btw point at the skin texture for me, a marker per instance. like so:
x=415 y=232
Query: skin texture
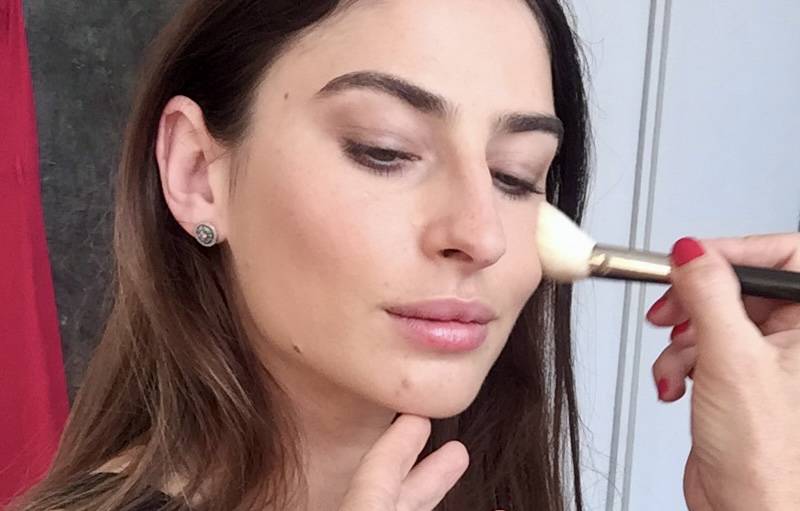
x=322 y=244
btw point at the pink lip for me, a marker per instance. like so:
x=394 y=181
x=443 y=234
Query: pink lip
x=446 y=325
x=446 y=310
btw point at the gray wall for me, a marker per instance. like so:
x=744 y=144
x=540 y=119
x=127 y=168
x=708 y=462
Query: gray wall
x=84 y=55
x=696 y=116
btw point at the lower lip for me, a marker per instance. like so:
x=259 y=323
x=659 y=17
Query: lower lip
x=447 y=336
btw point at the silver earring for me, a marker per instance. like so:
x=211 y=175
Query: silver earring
x=206 y=235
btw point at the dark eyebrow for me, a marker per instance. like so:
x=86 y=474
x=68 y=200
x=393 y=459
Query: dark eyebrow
x=519 y=123
x=432 y=103
x=419 y=98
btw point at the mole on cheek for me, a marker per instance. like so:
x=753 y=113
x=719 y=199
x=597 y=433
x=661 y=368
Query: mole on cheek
x=286 y=96
x=297 y=348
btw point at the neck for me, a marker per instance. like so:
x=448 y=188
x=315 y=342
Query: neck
x=337 y=428
x=335 y=442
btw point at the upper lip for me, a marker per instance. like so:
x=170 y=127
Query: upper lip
x=450 y=309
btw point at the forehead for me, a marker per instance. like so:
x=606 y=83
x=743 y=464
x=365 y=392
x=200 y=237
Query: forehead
x=479 y=54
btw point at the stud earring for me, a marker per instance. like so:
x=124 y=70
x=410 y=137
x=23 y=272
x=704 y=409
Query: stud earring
x=206 y=235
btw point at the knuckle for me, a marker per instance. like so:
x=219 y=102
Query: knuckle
x=709 y=277
x=753 y=238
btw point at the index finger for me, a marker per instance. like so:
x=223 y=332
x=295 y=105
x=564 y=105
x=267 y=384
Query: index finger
x=778 y=251
x=384 y=467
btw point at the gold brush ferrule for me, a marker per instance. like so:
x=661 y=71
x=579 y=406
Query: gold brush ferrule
x=625 y=264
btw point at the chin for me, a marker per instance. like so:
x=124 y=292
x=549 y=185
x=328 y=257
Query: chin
x=437 y=411
x=436 y=407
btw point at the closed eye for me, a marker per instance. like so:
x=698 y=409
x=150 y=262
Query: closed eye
x=385 y=161
x=516 y=187
x=379 y=159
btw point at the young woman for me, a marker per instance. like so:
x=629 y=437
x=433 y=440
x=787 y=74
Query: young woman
x=326 y=272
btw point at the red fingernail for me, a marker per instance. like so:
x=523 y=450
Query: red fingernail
x=657 y=305
x=663 y=387
x=686 y=249
x=679 y=329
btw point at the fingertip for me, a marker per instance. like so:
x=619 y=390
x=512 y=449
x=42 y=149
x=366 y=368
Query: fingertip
x=707 y=288
x=679 y=392
x=658 y=305
x=459 y=447
x=686 y=250
x=415 y=428
x=670 y=391
x=662 y=386
x=458 y=443
x=411 y=419
x=423 y=423
x=666 y=311
x=679 y=329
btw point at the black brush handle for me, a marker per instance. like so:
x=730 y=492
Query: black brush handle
x=769 y=283
x=622 y=263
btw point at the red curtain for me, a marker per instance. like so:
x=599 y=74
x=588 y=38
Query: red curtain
x=33 y=397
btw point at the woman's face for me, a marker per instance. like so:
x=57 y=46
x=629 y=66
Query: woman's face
x=327 y=233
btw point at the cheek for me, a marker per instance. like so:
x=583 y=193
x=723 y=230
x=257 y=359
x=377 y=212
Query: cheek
x=523 y=268
x=308 y=244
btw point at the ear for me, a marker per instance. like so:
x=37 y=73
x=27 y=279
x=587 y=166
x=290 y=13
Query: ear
x=194 y=173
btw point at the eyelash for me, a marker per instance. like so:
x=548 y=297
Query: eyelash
x=364 y=155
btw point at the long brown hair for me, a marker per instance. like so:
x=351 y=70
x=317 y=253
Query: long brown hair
x=175 y=376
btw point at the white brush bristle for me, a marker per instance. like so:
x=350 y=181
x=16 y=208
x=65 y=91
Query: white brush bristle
x=564 y=249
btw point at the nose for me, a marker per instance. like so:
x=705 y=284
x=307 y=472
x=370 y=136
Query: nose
x=466 y=224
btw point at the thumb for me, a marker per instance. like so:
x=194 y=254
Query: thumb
x=707 y=288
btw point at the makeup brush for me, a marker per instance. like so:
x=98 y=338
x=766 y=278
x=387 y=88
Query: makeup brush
x=568 y=254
